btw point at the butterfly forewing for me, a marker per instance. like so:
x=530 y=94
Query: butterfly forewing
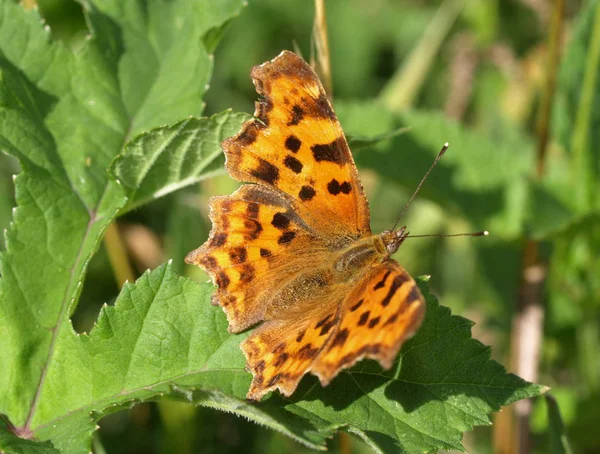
x=296 y=145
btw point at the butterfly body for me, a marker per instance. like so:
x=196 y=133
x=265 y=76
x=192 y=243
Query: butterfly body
x=295 y=250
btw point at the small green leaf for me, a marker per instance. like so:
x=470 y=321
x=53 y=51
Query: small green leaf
x=169 y=158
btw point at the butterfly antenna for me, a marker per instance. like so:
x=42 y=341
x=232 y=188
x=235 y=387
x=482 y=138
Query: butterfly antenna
x=437 y=158
x=446 y=235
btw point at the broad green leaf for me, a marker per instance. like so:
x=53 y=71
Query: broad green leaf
x=443 y=384
x=161 y=334
x=66 y=116
x=479 y=178
x=172 y=157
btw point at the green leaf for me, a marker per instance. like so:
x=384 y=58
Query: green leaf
x=559 y=442
x=169 y=158
x=482 y=179
x=12 y=444
x=65 y=117
x=443 y=384
x=161 y=335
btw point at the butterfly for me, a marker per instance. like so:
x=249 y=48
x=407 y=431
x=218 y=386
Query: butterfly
x=294 y=250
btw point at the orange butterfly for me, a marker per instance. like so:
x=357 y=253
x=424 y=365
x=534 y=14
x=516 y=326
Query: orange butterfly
x=295 y=250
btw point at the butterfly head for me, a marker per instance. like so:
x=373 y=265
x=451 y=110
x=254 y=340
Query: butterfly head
x=394 y=238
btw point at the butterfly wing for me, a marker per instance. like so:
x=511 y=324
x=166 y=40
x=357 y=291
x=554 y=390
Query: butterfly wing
x=280 y=352
x=376 y=318
x=371 y=320
x=296 y=146
x=257 y=245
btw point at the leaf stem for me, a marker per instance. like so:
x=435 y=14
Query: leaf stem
x=321 y=41
x=117 y=255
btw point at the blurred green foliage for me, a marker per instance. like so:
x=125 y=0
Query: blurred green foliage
x=480 y=93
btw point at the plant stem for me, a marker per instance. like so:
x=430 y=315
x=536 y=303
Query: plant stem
x=580 y=139
x=321 y=40
x=402 y=89
x=117 y=255
x=528 y=322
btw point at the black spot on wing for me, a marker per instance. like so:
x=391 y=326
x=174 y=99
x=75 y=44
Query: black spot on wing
x=297 y=115
x=340 y=338
x=306 y=193
x=238 y=255
x=374 y=322
x=280 y=221
x=333 y=187
x=266 y=172
x=323 y=321
x=293 y=144
x=381 y=283
x=357 y=305
x=307 y=352
x=363 y=318
x=293 y=164
x=282 y=358
x=222 y=280
x=396 y=284
x=253 y=229
x=218 y=239
x=332 y=152
x=247 y=273
x=286 y=237
x=252 y=210
x=326 y=327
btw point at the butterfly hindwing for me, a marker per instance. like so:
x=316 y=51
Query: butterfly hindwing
x=280 y=352
x=296 y=145
x=375 y=319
